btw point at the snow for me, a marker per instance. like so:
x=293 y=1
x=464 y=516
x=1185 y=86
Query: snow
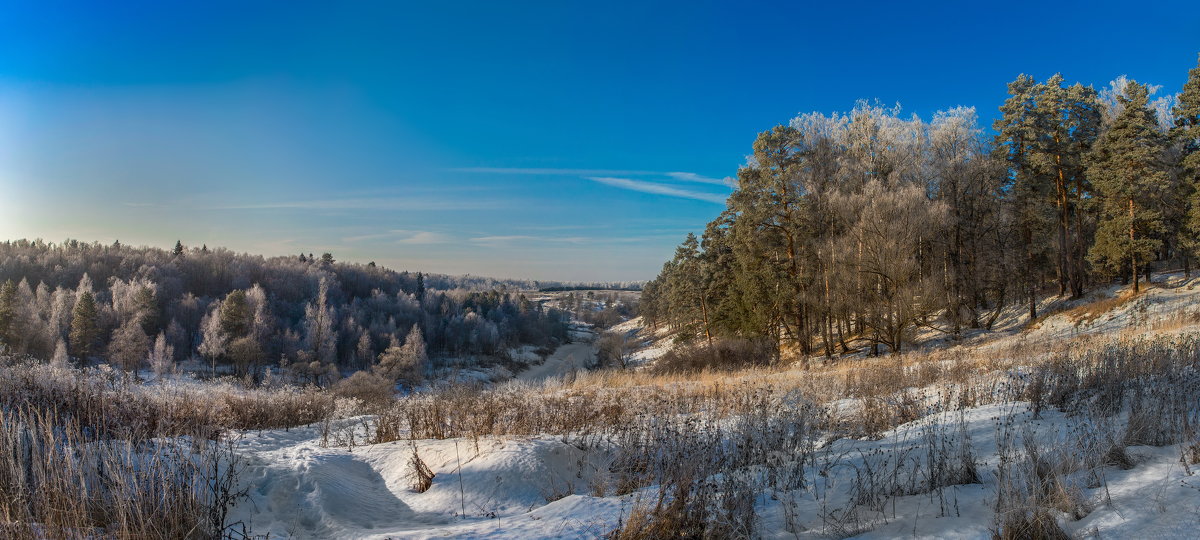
x=510 y=488
x=569 y=358
x=650 y=345
x=544 y=486
x=538 y=487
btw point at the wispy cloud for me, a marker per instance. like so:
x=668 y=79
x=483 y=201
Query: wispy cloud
x=551 y=171
x=507 y=240
x=658 y=189
x=675 y=175
x=425 y=238
x=403 y=236
x=392 y=203
x=693 y=177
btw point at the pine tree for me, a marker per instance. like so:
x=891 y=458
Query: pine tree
x=235 y=315
x=8 y=314
x=1067 y=122
x=84 y=328
x=1127 y=167
x=178 y=249
x=148 y=314
x=1187 y=133
x=1015 y=141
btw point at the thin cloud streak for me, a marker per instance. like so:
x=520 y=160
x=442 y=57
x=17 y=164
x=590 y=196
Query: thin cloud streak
x=658 y=189
x=523 y=238
x=403 y=236
x=693 y=177
x=511 y=239
x=408 y=204
x=550 y=171
x=674 y=175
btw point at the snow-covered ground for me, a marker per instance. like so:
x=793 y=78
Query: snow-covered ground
x=567 y=359
x=649 y=345
x=538 y=487
x=496 y=488
x=310 y=483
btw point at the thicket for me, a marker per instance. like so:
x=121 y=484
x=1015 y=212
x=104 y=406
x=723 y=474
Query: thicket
x=243 y=313
x=856 y=230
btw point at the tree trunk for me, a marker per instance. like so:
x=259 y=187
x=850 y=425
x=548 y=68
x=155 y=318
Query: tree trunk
x=704 y=311
x=1064 y=249
x=1132 y=250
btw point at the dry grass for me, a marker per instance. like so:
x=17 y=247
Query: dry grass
x=697 y=446
x=92 y=454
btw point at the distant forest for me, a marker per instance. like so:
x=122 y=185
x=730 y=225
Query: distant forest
x=76 y=301
x=855 y=230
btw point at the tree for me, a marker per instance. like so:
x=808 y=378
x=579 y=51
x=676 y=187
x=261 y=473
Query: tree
x=213 y=338
x=1015 y=144
x=129 y=347
x=245 y=353
x=147 y=312
x=9 y=333
x=235 y=315
x=60 y=358
x=405 y=364
x=84 y=327
x=318 y=326
x=1067 y=122
x=162 y=356
x=1127 y=166
x=894 y=228
x=365 y=350
x=1187 y=133
x=178 y=249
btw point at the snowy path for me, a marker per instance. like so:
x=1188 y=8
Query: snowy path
x=566 y=359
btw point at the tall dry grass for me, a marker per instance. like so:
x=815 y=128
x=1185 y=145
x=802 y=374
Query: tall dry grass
x=93 y=454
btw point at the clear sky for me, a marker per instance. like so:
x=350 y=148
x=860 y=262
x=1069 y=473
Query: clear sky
x=550 y=140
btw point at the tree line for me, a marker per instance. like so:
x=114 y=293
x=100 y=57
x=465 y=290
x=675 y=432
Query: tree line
x=140 y=307
x=851 y=230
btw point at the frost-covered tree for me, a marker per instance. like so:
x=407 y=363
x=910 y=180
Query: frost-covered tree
x=162 y=356
x=364 y=351
x=405 y=363
x=213 y=338
x=60 y=358
x=129 y=347
x=319 y=326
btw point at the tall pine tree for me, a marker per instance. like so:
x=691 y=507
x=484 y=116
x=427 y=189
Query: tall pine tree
x=84 y=327
x=1187 y=133
x=1127 y=167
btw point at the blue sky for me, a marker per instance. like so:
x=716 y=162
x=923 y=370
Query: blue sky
x=551 y=140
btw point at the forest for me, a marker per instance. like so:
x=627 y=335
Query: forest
x=851 y=231
x=144 y=307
